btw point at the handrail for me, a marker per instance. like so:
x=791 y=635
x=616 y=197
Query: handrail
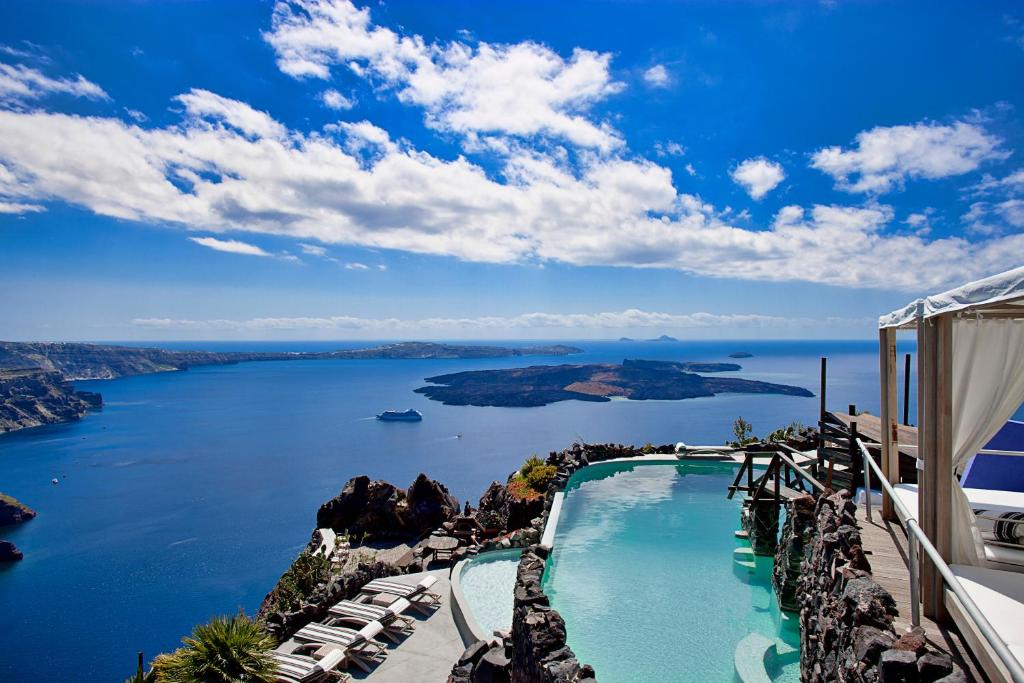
x=914 y=531
x=799 y=470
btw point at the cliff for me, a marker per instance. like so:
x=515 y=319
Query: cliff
x=33 y=397
x=13 y=511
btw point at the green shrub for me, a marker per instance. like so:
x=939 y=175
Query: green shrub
x=539 y=476
x=648 y=448
x=531 y=463
x=744 y=433
x=299 y=582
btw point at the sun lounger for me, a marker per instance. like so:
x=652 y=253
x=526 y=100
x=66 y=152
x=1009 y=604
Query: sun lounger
x=362 y=613
x=419 y=595
x=304 y=669
x=359 y=647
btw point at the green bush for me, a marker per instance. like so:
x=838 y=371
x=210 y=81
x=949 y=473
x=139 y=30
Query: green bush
x=531 y=463
x=744 y=433
x=539 y=476
x=299 y=582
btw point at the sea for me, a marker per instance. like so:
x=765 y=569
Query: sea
x=190 y=492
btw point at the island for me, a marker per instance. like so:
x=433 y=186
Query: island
x=664 y=338
x=637 y=380
x=12 y=511
x=741 y=354
x=35 y=377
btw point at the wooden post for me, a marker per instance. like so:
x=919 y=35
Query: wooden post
x=141 y=670
x=890 y=447
x=934 y=344
x=821 y=414
x=906 y=385
x=821 y=392
x=856 y=459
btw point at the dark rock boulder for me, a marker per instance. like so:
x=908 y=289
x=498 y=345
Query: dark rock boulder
x=428 y=505
x=510 y=513
x=9 y=552
x=13 y=511
x=376 y=509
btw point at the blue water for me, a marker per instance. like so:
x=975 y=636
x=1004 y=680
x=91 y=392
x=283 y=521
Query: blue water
x=488 y=581
x=190 y=492
x=643 y=562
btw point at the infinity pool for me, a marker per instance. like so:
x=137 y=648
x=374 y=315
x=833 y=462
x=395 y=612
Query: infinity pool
x=654 y=585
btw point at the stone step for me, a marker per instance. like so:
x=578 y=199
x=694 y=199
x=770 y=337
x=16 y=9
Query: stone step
x=742 y=533
x=744 y=557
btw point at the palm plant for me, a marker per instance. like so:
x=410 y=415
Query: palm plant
x=228 y=649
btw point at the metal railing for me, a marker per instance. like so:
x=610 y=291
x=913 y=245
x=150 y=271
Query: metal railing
x=915 y=536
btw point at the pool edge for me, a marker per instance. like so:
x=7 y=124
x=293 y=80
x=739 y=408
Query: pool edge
x=469 y=629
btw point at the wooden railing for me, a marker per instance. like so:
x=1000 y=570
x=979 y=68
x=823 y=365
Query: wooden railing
x=785 y=476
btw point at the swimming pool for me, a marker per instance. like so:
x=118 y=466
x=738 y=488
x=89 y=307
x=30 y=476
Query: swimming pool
x=654 y=585
x=486 y=583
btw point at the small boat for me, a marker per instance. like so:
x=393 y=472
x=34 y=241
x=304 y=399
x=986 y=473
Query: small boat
x=400 y=416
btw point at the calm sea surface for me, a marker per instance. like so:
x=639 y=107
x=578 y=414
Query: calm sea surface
x=190 y=492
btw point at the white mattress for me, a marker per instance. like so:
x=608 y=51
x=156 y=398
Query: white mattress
x=1008 y=558
x=1000 y=597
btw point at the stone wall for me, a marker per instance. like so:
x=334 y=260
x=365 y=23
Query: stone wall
x=846 y=618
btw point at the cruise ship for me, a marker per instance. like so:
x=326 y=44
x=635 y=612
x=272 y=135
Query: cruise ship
x=400 y=416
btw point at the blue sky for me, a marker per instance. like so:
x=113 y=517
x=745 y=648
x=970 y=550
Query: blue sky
x=327 y=170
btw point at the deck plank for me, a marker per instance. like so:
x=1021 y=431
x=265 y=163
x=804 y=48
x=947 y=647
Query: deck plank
x=886 y=546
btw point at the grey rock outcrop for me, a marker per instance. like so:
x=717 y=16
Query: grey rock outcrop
x=377 y=509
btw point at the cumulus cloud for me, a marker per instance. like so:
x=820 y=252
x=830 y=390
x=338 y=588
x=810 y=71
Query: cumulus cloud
x=885 y=157
x=758 y=176
x=230 y=246
x=335 y=100
x=669 y=148
x=19 y=83
x=227 y=167
x=612 y=320
x=17 y=208
x=312 y=250
x=356 y=266
x=657 y=76
x=523 y=89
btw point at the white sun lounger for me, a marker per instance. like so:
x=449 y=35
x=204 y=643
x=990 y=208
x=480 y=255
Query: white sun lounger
x=303 y=669
x=419 y=595
x=362 y=613
x=358 y=647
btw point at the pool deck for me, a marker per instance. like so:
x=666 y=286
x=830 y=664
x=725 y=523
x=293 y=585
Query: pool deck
x=429 y=653
x=886 y=545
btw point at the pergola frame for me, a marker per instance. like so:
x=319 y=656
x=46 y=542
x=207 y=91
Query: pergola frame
x=1000 y=296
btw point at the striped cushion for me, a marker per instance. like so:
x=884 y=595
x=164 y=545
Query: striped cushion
x=334 y=635
x=393 y=587
x=359 y=610
x=1001 y=527
x=292 y=668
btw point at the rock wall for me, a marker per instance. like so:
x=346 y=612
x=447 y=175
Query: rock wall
x=794 y=548
x=846 y=618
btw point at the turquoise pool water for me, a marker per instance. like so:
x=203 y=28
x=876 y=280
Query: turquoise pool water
x=488 y=582
x=646 y=574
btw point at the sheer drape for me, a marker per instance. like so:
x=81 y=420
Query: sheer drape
x=988 y=386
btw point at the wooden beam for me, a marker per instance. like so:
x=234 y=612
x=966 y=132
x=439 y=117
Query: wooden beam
x=943 y=458
x=931 y=581
x=890 y=446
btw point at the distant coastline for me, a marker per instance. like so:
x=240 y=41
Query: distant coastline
x=35 y=377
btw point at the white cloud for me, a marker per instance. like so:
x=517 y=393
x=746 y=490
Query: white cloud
x=312 y=250
x=669 y=148
x=1012 y=211
x=758 y=176
x=356 y=266
x=201 y=104
x=17 y=208
x=657 y=76
x=885 y=157
x=230 y=246
x=335 y=100
x=523 y=89
x=19 y=83
x=230 y=168
x=613 y=320
x=1012 y=183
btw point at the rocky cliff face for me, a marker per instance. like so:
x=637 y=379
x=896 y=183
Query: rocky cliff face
x=30 y=398
x=13 y=511
x=377 y=509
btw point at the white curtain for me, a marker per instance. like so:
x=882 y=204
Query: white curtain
x=988 y=387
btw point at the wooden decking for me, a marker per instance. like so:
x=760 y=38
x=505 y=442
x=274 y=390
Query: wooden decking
x=886 y=545
x=871 y=427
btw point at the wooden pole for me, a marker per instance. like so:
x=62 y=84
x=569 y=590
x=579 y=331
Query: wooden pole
x=141 y=671
x=943 y=460
x=856 y=473
x=890 y=447
x=821 y=416
x=906 y=385
x=821 y=392
x=925 y=452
